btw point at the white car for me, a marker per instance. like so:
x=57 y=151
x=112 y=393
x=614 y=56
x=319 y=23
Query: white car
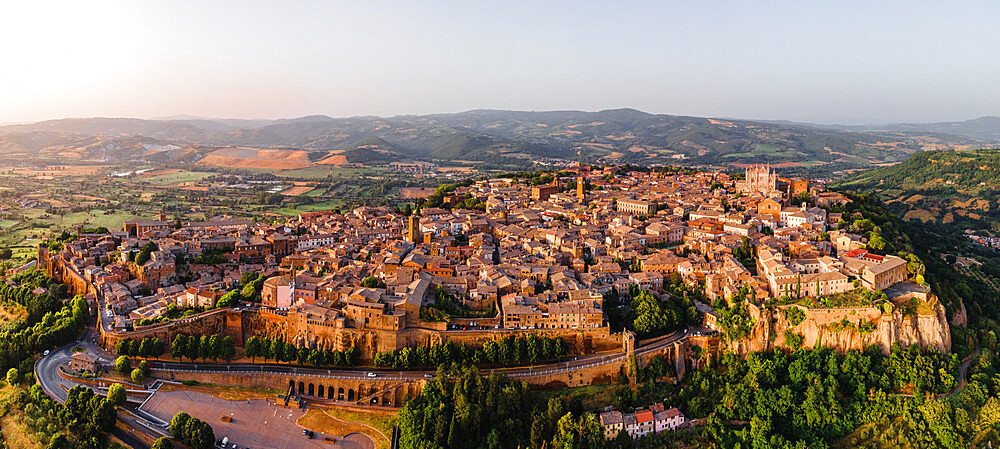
x=46 y=352
x=372 y=375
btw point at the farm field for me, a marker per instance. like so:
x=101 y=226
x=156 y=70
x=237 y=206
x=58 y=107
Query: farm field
x=316 y=192
x=174 y=178
x=326 y=205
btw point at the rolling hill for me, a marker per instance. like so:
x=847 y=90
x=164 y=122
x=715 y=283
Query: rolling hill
x=961 y=187
x=498 y=138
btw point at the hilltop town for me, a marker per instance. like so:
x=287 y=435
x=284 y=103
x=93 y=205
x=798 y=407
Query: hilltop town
x=584 y=276
x=531 y=255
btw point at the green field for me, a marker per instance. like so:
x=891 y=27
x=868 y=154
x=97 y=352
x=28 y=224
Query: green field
x=92 y=219
x=326 y=205
x=175 y=178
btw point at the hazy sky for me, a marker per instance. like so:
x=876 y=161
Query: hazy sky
x=835 y=62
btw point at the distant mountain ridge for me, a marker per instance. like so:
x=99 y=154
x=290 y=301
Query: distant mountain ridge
x=986 y=128
x=512 y=138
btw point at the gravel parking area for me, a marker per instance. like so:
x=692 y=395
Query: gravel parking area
x=257 y=423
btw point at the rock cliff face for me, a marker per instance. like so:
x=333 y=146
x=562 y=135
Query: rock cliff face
x=928 y=329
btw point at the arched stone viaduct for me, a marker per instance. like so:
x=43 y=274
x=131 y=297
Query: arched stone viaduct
x=383 y=391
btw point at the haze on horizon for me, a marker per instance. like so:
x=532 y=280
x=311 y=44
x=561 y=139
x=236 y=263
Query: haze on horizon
x=850 y=62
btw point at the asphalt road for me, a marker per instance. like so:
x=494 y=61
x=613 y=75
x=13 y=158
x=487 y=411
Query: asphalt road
x=47 y=367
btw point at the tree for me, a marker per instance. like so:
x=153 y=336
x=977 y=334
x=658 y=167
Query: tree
x=178 y=424
x=137 y=376
x=227 y=349
x=158 y=348
x=13 y=376
x=147 y=348
x=58 y=441
x=371 y=282
x=252 y=348
x=123 y=365
x=116 y=394
x=651 y=317
x=228 y=300
x=193 y=350
x=145 y=369
x=215 y=346
x=145 y=253
x=205 y=349
x=179 y=346
x=277 y=350
x=162 y=443
x=123 y=346
x=204 y=437
x=248 y=276
x=315 y=358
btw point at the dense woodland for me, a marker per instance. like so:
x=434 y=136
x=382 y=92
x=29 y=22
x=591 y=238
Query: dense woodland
x=51 y=320
x=462 y=409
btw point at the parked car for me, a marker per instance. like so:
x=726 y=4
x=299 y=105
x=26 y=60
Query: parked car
x=372 y=374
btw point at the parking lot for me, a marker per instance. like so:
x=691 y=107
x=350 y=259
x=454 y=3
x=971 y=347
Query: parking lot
x=256 y=423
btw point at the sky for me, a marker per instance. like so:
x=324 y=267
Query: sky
x=845 y=62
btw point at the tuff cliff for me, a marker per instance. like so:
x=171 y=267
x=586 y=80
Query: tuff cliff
x=845 y=328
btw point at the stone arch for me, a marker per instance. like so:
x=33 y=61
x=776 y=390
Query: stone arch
x=350 y=394
x=312 y=389
x=340 y=394
x=320 y=391
x=302 y=387
x=291 y=385
x=329 y=392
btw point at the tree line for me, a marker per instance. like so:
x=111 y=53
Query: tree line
x=56 y=327
x=508 y=351
x=279 y=351
x=145 y=348
x=205 y=347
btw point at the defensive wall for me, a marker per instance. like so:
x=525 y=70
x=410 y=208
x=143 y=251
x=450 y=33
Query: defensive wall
x=241 y=325
x=218 y=321
x=56 y=268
